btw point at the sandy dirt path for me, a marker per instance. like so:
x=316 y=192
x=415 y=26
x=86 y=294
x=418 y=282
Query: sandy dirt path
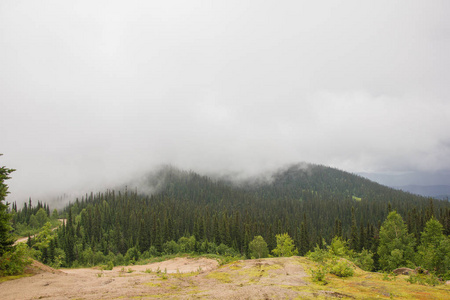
x=179 y=278
x=125 y=282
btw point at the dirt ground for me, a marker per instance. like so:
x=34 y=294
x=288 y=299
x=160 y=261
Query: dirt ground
x=202 y=278
x=179 y=278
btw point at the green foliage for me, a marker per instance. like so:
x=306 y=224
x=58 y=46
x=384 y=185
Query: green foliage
x=109 y=266
x=319 y=255
x=432 y=233
x=285 y=246
x=258 y=247
x=133 y=254
x=342 y=269
x=6 y=240
x=14 y=261
x=339 y=249
x=171 y=247
x=433 y=252
x=424 y=279
x=318 y=274
x=364 y=260
x=389 y=276
x=187 y=244
x=191 y=214
x=396 y=247
x=41 y=217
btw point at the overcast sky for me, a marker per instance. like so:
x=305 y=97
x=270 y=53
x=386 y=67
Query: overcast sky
x=93 y=92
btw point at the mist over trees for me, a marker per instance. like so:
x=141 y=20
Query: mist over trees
x=293 y=212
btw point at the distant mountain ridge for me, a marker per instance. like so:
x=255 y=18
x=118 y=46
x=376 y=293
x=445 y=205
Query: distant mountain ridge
x=435 y=191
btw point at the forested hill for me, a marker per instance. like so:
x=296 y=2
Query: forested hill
x=308 y=202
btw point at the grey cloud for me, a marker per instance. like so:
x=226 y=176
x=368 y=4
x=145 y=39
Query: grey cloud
x=95 y=92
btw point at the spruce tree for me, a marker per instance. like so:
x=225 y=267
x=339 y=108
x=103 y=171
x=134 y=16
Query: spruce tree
x=6 y=240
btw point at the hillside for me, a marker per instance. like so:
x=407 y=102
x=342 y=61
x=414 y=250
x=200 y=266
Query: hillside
x=200 y=278
x=171 y=211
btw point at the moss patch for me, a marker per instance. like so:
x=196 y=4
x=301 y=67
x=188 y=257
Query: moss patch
x=221 y=276
x=7 y=278
x=152 y=284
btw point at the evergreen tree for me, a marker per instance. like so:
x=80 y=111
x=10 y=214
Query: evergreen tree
x=396 y=247
x=354 y=241
x=433 y=252
x=6 y=240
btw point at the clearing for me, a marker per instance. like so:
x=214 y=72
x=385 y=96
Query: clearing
x=203 y=278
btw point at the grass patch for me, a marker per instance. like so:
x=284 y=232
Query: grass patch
x=356 y=198
x=221 y=276
x=235 y=266
x=13 y=277
x=152 y=284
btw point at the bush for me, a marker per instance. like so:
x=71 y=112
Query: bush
x=342 y=269
x=132 y=254
x=363 y=260
x=319 y=255
x=13 y=262
x=423 y=279
x=153 y=251
x=187 y=244
x=318 y=275
x=109 y=266
x=171 y=247
x=119 y=260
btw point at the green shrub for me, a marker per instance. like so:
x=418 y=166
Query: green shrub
x=319 y=255
x=171 y=247
x=423 y=279
x=13 y=262
x=364 y=260
x=132 y=254
x=389 y=276
x=109 y=266
x=318 y=275
x=342 y=269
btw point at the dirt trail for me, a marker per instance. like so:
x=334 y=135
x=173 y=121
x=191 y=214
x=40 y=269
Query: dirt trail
x=25 y=239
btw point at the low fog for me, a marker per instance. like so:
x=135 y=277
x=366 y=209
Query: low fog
x=96 y=93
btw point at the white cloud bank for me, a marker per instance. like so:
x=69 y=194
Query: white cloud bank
x=95 y=91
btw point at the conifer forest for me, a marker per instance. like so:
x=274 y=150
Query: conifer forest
x=191 y=213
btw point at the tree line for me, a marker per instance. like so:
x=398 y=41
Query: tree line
x=192 y=213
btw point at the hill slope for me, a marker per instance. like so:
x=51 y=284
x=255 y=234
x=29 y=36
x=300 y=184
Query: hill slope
x=172 y=211
x=224 y=211
x=270 y=278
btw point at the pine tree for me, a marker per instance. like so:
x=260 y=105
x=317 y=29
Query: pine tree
x=6 y=240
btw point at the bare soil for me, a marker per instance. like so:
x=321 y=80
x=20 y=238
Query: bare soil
x=180 y=278
x=202 y=278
